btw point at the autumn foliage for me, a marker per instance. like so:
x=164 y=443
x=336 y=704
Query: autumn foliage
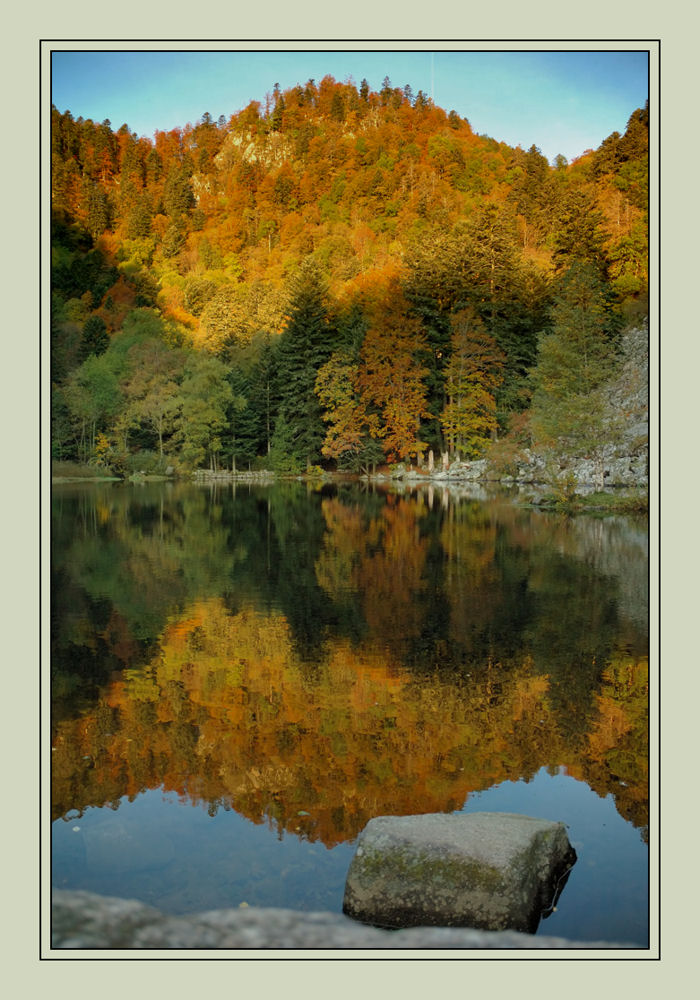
x=409 y=218
x=192 y=650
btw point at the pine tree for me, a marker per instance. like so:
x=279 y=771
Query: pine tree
x=140 y=220
x=337 y=108
x=95 y=338
x=245 y=438
x=578 y=235
x=97 y=208
x=178 y=198
x=277 y=118
x=305 y=345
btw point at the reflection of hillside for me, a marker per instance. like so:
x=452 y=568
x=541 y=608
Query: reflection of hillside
x=380 y=559
x=480 y=579
x=314 y=659
x=147 y=552
x=616 y=758
x=473 y=580
x=227 y=715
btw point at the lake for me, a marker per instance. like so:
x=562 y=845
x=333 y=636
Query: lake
x=242 y=677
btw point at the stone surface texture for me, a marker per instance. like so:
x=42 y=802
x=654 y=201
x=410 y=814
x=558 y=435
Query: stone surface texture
x=83 y=920
x=492 y=871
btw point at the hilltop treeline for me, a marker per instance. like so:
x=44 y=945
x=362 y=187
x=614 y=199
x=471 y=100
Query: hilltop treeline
x=337 y=275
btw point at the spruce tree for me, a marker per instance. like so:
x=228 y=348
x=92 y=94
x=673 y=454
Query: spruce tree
x=337 y=108
x=95 y=337
x=578 y=232
x=305 y=345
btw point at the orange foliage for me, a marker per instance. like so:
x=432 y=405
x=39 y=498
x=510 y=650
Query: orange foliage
x=390 y=377
x=390 y=168
x=227 y=712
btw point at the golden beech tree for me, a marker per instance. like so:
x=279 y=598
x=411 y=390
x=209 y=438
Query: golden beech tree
x=391 y=380
x=343 y=411
x=473 y=373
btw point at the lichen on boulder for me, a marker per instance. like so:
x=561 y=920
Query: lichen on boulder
x=492 y=871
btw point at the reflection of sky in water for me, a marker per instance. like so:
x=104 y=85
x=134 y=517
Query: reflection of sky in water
x=178 y=858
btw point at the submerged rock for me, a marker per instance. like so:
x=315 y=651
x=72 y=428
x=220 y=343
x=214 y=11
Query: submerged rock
x=492 y=871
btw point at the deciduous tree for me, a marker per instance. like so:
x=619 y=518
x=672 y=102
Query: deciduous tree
x=473 y=374
x=391 y=379
x=94 y=398
x=151 y=388
x=205 y=395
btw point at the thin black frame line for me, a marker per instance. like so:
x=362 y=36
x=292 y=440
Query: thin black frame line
x=658 y=488
x=341 y=51
x=359 y=41
x=41 y=497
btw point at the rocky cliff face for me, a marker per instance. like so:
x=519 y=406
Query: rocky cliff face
x=628 y=399
x=270 y=150
x=626 y=456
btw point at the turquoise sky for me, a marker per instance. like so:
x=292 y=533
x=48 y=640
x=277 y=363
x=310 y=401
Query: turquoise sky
x=563 y=102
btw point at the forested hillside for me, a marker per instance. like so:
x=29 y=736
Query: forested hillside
x=338 y=277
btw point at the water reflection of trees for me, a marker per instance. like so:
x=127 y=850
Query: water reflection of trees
x=226 y=715
x=313 y=660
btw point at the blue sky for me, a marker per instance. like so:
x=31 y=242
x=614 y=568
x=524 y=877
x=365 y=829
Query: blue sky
x=562 y=102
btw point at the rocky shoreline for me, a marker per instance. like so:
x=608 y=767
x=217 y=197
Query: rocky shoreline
x=533 y=472
x=82 y=920
x=533 y=469
x=626 y=474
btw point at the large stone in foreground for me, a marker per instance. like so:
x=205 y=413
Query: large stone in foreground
x=82 y=920
x=492 y=871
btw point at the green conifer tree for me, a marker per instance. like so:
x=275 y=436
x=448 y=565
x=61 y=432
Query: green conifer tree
x=95 y=337
x=305 y=345
x=575 y=362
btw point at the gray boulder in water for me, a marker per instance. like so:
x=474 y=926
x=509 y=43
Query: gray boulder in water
x=491 y=871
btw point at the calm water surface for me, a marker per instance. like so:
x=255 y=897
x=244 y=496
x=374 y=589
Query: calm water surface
x=242 y=678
